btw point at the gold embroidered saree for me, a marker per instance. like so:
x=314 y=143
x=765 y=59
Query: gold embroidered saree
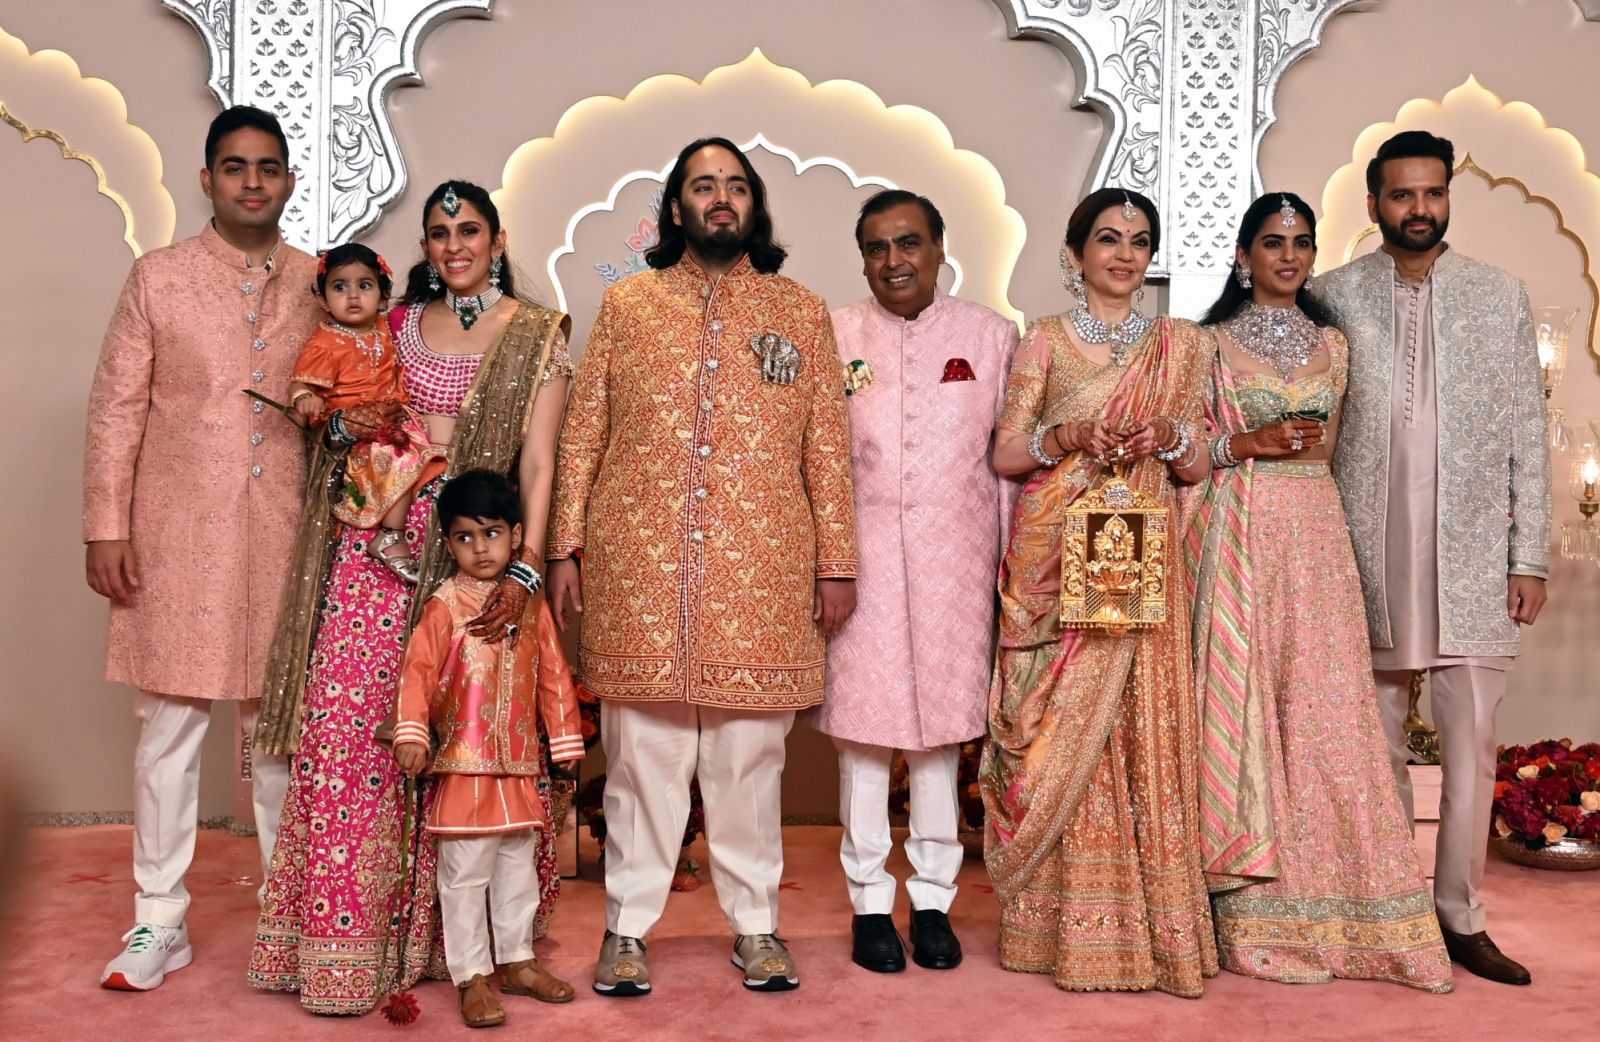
x=1089 y=776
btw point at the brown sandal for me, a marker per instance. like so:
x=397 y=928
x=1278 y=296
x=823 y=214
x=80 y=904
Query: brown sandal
x=527 y=977
x=479 y=1008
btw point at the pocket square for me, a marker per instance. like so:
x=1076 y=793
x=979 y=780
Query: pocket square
x=957 y=369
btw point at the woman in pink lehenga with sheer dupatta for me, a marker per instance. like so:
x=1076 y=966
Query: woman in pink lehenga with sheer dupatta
x=1307 y=850
x=1088 y=777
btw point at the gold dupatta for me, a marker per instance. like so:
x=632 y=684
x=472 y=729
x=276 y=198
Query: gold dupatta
x=1051 y=725
x=489 y=432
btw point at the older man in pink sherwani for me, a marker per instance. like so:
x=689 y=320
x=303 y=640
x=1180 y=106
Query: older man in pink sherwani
x=191 y=495
x=910 y=670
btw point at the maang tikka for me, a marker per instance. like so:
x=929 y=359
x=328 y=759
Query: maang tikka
x=450 y=203
x=1286 y=211
x=1129 y=211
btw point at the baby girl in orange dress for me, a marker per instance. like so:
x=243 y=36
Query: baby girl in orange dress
x=351 y=360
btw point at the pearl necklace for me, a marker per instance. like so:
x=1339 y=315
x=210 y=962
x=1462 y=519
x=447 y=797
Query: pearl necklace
x=374 y=350
x=1283 y=338
x=468 y=309
x=1122 y=335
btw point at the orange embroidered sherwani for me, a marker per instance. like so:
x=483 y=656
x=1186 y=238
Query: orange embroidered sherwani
x=706 y=501
x=483 y=702
x=203 y=482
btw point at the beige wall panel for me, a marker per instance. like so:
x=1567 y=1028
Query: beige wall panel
x=56 y=295
x=1540 y=52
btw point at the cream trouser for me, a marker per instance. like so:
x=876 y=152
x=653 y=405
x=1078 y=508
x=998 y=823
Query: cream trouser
x=653 y=751
x=166 y=799
x=934 y=846
x=498 y=867
x=1463 y=700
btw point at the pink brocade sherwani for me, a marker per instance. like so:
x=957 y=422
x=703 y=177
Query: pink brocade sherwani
x=205 y=483
x=910 y=668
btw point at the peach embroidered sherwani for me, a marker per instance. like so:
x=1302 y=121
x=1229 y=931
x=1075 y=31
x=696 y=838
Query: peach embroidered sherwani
x=910 y=669
x=706 y=500
x=205 y=483
x=484 y=702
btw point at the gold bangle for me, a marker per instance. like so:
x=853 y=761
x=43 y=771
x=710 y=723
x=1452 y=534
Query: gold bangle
x=304 y=392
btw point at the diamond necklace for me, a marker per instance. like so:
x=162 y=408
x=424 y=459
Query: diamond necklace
x=374 y=350
x=468 y=309
x=1122 y=335
x=1283 y=338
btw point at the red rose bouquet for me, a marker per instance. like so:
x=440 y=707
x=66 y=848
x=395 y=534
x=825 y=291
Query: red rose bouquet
x=1547 y=792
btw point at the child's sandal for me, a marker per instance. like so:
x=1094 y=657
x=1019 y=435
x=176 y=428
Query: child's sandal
x=401 y=564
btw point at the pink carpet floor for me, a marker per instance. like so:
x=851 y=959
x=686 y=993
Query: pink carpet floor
x=74 y=899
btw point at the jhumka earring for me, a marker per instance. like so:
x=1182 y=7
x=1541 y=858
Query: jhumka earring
x=1075 y=286
x=1307 y=283
x=1138 y=297
x=433 y=278
x=1243 y=275
x=494 y=271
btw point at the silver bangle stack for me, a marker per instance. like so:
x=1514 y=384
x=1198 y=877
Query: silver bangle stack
x=524 y=575
x=338 y=433
x=1180 y=448
x=1036 y=447
x=1221 y=455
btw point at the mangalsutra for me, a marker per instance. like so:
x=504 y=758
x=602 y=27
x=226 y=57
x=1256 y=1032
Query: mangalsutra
x=1122 y=335
x=374 y=350
x=468 y=309
x=1283 y=338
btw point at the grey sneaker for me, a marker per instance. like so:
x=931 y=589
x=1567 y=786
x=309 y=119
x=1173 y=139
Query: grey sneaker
x=622 y=969
x=766 y=962
x=152 y=953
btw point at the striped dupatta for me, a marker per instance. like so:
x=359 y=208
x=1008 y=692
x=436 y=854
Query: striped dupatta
x=1237 y=842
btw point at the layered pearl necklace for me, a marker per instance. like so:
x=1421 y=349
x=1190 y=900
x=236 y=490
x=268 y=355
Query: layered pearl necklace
x=468 y=309
x=1283 y=338
x=1122 y=335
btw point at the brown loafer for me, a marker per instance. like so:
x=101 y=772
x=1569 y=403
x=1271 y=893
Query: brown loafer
x=527 y=977
x=479 y=1007
x=1476 y=953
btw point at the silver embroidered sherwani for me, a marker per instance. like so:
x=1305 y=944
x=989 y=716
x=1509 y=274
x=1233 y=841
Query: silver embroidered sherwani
x=1445 y=476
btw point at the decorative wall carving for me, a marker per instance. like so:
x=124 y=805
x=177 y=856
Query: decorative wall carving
x=1187 y=89
x=326 y=68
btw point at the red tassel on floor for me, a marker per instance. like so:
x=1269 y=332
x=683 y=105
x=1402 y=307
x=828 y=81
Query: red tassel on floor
x=401 y=1009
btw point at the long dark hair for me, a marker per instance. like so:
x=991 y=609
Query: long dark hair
x=1235 y=296
x=1081 y=224
x=765 y=252
x=417 y=289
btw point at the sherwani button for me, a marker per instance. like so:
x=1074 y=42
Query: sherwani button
x=255 y=471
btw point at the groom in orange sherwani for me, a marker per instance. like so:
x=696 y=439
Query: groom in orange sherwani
x=191 y=495
x=910 y=669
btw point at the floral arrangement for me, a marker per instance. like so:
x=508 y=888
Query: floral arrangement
x=1547 y=792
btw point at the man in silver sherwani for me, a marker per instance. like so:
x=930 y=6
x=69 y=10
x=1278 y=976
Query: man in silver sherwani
x=1445 y=476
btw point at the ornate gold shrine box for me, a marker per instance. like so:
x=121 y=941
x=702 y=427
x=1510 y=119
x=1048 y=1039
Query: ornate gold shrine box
x=1114 y=560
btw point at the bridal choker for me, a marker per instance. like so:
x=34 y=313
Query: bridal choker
x=468 y=309
x=1283 y=338
x=1122 y=335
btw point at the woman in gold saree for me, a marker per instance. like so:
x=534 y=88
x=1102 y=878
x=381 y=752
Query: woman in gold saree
x=1089 y=776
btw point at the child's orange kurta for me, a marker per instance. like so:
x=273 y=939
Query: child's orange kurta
x=484 y=703
x=364 y=369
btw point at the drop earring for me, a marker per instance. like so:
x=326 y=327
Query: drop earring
x=434 y=285
x=1075 y=286
x=1243 y=275
x=494 y=272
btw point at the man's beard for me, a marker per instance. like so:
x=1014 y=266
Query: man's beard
x=1414 y=242
x=718 y=245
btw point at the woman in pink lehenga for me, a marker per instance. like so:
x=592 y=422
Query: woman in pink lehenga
x=489 y=375
x=1307 y=850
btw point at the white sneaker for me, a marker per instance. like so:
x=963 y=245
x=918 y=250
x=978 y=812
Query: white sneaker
x=152 y=953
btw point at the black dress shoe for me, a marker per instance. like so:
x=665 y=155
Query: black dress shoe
x=933 y=943
x=1476 y=953
x=875 y=944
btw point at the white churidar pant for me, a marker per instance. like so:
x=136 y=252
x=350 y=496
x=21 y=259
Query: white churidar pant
x=653 y=751
x=934 y=846
x=166 y=799
x=497 y=867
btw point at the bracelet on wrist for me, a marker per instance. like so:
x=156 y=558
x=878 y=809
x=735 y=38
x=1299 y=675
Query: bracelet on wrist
x=303 y=392
x=1178 y=449
x=1036 y=447
x=525 y=575
x=1222 y=455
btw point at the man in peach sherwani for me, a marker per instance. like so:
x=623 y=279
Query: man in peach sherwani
x=910 y=669
x=191 y=495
